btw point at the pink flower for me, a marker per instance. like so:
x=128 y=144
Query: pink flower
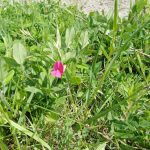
x=58 y=69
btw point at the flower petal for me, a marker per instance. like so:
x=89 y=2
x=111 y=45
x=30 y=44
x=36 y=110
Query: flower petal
x=56 y=73
x=64 y=68
x=59 y=66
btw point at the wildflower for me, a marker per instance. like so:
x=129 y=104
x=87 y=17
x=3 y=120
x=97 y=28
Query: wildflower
x=58 y=69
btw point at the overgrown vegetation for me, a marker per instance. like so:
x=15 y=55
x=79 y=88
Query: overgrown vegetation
x=101 y=101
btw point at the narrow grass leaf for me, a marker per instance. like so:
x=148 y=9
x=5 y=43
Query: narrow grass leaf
x=141 y=91
x=115 y=16
x=58 y=39
x=3 y=71
x=141 y=65
x=30 y=134
x=9 y=77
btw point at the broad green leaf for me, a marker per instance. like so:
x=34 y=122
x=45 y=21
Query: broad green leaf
x=3 y=70
x=84 y=39
x=75 y=80
x=68 y=56
x=3 y=146
x=124 y=135
x=69 y=36
x=60 y=101
x=51 y=117
x=9 y=77
x=86 y=149
x=33 y=89
x=83 y=66
x=19 y=52
x=80 y=94
x=140 y=4
x=2 y=121
x=101 y=146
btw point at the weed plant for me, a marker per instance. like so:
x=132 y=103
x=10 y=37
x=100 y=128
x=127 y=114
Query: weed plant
x=102 y=100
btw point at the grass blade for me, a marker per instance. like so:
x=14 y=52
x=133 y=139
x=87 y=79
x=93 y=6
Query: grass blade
x=29 y=133
x=115 y=16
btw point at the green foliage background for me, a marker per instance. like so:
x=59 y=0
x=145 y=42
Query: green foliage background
x=102 y=100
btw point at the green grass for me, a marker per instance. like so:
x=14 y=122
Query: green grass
x=103 y=99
